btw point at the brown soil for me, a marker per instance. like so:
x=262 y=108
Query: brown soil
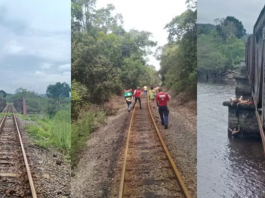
x=50 y=172
x=98 y=173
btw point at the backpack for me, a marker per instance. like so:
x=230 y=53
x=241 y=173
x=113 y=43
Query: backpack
x=127 y=94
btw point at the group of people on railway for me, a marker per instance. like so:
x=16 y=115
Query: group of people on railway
x=154 y=94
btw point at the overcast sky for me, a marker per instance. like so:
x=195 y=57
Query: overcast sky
x=148 y=15
x=247 y=11
x=35 y=44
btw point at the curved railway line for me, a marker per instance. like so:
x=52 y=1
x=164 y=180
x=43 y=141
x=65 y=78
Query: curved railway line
x=15 y=176
x=148 y=169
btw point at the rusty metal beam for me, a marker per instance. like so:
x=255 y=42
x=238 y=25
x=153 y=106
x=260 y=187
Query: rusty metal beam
x=31 y=183
x=24 y=106
x=260 y=124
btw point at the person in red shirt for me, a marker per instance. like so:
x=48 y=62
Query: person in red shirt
x=137 y=96
x=162 y=99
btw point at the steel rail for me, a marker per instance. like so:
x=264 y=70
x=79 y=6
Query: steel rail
x=4 y=118
x=176 y=171
x=31 y=183
x=179 y=178
x=125 y=157
x=2 y=121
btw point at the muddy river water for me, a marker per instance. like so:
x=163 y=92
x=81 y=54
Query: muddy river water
x=226 y=168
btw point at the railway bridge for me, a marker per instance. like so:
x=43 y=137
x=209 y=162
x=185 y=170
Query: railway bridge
x=18 y=103
x=249 y=119
x=2 y=104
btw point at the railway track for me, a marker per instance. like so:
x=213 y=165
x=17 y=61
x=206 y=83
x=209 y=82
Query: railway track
x=148 y=169
x=15 y=176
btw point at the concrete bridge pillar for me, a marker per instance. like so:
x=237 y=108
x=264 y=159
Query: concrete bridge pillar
x=242 y=117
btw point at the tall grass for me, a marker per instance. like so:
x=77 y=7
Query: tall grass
x=87 y=122
x=61 y=129
x=52 y=132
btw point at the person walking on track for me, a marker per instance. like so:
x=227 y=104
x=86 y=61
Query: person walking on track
x=162 y=99
x=152 y=96
x=137 y=96
x=145 y=90
x=156 y=92
x=129 y=98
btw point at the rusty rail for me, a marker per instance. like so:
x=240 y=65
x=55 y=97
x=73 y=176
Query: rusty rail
x=31 y=183
x=177 y=173
x=125 y=157
x=2 y=122
x=174 y=167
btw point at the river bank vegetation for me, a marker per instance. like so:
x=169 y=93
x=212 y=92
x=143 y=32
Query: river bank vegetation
x=221 y=47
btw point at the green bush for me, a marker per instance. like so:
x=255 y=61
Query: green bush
x=81 y=129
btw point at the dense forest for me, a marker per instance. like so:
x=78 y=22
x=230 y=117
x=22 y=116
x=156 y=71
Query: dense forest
x=179 y=56
x=106 y=59
x=221 y=47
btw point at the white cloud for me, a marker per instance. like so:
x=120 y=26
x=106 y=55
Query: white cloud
x=13 y=47
x=52 y=48
x=34 y=44
x=40 y=73
x=67 y=73
x=65 y=67
x=46 y=65
x=245 y=11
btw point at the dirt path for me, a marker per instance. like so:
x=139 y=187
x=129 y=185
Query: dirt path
x=98 y=172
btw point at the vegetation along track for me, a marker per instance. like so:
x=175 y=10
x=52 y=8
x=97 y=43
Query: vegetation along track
x=15 y=176
x=148 y=169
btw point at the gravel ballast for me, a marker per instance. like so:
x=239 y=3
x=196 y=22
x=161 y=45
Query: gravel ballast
x=99 y=170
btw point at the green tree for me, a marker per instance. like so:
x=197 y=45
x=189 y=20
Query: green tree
x=210 y=59
x=205 y=28
x=105 y=57
x=58 y=91
x=230 y=26
x=2 y=94
x=218 y=52
x=21 y=92
x=179 y=56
